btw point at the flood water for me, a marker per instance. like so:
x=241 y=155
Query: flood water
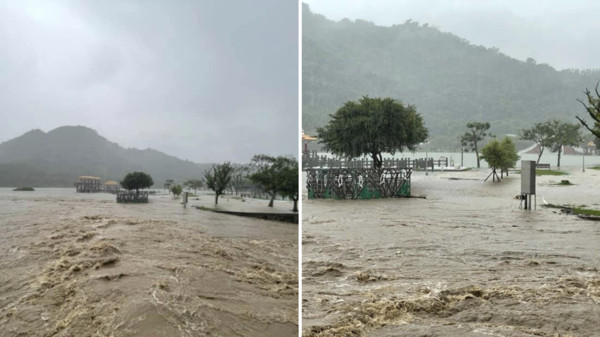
x=82 y=265
x=465 y=261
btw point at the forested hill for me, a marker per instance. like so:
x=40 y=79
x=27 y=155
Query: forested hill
x=58 y=157
x=449 y=80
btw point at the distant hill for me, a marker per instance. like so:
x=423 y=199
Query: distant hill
x=57 y=158
x=449 y=80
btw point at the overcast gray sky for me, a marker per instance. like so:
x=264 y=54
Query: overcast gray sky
x=207 y=81
x=561 y=33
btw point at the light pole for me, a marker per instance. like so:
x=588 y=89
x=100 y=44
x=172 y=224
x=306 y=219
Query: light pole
x=583 y=158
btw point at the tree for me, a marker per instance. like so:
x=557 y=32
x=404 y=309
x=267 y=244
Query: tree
x=239 y=177
x=510 y=155
x=500 y=155
x=371 y=127
x=564 y=134
x=270 y=173
x=289 y=186
x=593 y=109
x=493 y=154
x=477 y=133
x=541 y=134
x=176 y=190
x=136 y=181
x=167 y=184
x=218 y=178
x=194 y=183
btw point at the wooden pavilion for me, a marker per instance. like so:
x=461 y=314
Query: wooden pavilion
x=88 y=184
x=111 y=186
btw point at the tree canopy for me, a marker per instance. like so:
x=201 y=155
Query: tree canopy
x=477 y=132
x=136 y=181
x=593 y=109
x=176 y=190
x=500 y=155
x=371 y=127
x=239 y=177
x=194 y=183
x=218 y=178
x=564 y=134
x=289 y=185
x=541 y=134
x=510 y=154
x=273 y=174
x=168 y=183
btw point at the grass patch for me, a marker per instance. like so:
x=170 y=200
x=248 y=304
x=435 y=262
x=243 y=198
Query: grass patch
x=204 y=208
x=564 y=183
x=586 y=211
x=28 y=189
x=595 y=167
x=549 y=173
x=576 y=210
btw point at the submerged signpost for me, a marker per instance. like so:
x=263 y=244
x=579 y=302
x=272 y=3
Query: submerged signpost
x=528 y=182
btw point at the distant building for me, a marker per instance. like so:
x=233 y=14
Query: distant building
x=305 y=139
x=88 y=184
x=591 y=148
x=111 y=186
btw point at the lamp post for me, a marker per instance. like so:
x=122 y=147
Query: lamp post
x=583 y=158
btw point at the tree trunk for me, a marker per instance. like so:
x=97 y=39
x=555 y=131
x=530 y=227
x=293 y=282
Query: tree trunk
x=272 y=198
x=540 y=155
x=558 y=162
x=377 y=160
x=216 y=198
x=476 y=154
x=295 y=205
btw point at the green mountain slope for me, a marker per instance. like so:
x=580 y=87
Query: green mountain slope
x=449 y=80
x=57 y=158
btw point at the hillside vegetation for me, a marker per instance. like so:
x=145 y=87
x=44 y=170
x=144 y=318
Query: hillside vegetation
x=448 y=79
x=58 y=157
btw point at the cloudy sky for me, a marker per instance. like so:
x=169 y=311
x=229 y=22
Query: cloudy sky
x=207 y=81
x=561 y=33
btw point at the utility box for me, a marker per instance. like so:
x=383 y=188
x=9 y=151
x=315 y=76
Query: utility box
x=527 y=177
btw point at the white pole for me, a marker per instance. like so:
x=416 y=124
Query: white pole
x=583 y=160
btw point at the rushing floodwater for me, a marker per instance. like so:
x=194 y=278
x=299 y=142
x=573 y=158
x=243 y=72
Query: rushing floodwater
x=465 y=261
x=83 y=265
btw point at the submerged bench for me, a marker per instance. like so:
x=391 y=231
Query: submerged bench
x=543 y=166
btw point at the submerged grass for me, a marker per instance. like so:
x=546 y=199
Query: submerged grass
x=549 y=173
x=564 y=183
x=576 y=210
x=586 y=211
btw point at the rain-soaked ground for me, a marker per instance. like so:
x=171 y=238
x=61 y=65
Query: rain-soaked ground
x=83 y=265
x=465 y=261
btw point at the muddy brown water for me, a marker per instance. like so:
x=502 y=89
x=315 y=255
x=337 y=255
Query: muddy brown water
x=83 y=265
x=465 y=261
